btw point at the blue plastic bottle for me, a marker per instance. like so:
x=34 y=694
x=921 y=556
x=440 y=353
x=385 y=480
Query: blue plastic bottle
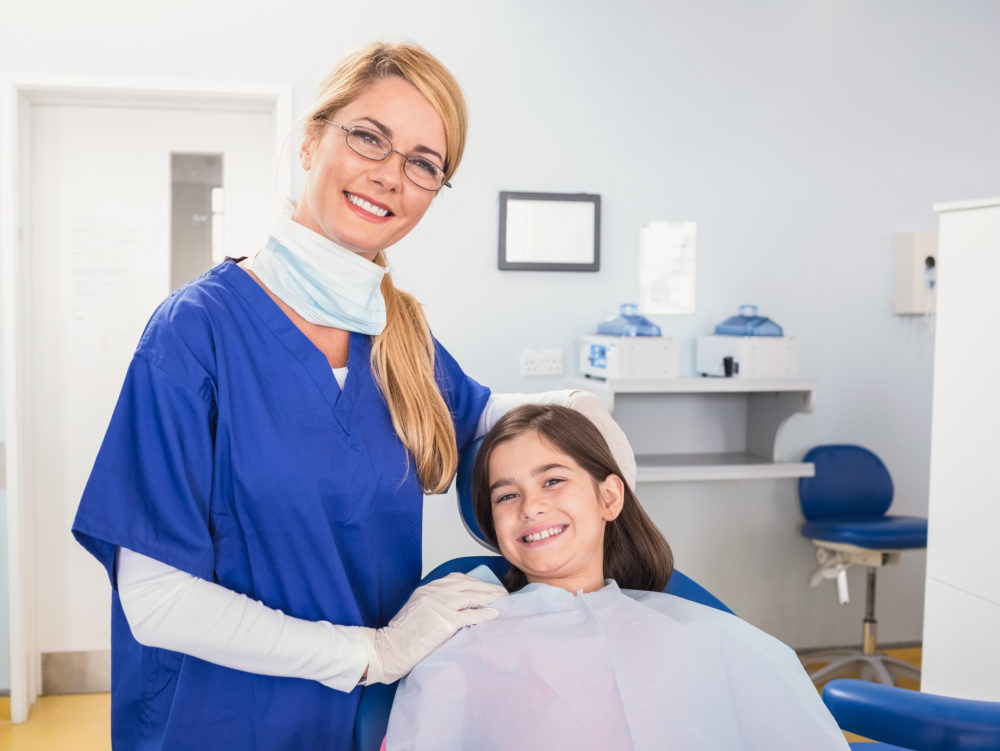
x=748 y=323
x=628 y=323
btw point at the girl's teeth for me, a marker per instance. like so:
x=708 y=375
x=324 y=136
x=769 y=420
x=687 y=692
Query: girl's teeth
x=543 y=534
x=362 y=203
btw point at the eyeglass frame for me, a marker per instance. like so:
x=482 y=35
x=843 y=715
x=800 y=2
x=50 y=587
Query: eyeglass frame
x=347 y=133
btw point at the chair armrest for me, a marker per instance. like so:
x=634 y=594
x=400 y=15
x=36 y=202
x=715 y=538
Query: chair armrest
x=913 y=719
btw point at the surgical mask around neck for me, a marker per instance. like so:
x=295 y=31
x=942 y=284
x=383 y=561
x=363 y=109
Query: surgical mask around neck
x=323 y=282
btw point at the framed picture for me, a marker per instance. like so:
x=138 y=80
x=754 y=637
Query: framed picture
x=550 y=231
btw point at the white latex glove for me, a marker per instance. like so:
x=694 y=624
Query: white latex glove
x=590 y=406
x=434 y=612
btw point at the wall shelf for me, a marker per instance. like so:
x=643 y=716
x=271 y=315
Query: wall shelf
x=697 y=429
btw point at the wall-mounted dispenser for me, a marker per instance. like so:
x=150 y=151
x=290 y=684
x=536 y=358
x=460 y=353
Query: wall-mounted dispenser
x=915 y=286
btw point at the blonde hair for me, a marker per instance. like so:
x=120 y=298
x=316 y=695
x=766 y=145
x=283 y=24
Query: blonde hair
x=402 y=357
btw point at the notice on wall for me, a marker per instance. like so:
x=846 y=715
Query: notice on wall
x=102 y=255
x=667 y=268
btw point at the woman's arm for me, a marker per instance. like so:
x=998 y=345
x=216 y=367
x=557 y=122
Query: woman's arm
x=171 y=609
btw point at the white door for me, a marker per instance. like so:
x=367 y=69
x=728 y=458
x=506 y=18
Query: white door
x=94 y=263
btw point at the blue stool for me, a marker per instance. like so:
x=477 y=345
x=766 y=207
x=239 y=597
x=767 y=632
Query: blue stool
x=845 y=507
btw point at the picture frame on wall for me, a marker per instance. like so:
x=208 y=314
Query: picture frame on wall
x=550 y=231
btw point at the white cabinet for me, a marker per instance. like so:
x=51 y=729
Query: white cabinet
x=962 y=604
x=691 y=429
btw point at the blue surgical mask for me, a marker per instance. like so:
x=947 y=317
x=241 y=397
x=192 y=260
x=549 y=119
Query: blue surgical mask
x=323 y=282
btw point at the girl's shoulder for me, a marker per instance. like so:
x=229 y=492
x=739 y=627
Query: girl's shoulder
x=728 y=628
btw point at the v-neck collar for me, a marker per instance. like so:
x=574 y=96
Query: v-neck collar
x=302 y=349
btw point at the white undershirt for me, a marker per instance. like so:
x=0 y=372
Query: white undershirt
x=341 y=375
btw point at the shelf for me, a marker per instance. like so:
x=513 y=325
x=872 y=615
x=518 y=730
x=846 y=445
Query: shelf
x=607 y=389
x=696 y=429
x=723 y=466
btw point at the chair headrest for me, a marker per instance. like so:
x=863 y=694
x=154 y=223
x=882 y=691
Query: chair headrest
x=463 y=486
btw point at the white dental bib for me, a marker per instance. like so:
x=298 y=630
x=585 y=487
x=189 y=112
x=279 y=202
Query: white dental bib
x=610 y=670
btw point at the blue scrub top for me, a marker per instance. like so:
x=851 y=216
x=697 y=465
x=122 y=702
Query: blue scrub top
x=234 y=455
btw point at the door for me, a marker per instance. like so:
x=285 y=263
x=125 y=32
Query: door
x=105 y=181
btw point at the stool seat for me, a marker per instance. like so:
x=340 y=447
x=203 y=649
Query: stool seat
x=876 y=533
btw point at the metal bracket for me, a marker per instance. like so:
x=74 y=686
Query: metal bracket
x=835 y=558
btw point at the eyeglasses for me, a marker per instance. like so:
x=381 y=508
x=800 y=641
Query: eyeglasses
x=371 y=145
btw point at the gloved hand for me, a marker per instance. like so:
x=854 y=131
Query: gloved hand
x=590 y=406
x=434 y=612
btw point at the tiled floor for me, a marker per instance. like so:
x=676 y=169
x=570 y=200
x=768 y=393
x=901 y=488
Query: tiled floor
x=81 y=722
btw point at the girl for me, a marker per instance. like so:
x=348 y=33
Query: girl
x=578 y=658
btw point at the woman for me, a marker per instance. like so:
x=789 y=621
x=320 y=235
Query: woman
x=258 y=515
x=573 y=661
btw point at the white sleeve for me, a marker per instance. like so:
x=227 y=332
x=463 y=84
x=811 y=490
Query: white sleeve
x=174 y=610
x=500 y=404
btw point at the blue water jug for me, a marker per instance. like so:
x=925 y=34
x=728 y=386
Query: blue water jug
x=628 y=323
x=748 y=323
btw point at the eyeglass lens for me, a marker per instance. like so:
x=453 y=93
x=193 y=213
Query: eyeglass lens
x=374 y=146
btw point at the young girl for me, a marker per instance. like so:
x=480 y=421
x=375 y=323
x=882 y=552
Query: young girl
x=578 y=658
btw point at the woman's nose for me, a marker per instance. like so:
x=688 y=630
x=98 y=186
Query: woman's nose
x=388 y=172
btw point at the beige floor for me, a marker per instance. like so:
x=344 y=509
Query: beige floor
x=78 y=722
x=81 y=722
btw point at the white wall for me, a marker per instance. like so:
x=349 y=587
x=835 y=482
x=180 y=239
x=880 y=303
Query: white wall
x=800 y=137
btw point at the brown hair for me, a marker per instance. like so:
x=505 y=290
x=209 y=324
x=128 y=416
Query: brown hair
x=402 y=356
x=636 y=555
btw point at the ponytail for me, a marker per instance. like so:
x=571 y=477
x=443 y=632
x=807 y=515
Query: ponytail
x=402 y=361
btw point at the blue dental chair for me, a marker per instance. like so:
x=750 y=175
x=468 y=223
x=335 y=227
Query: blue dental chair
x=376 y=700
x=845 y=508
x=912 y=720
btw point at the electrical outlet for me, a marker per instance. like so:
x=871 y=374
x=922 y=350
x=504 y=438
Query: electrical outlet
x=542 y=362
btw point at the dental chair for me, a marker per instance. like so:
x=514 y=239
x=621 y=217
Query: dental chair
x=912 y=720
x=845 y=508
x=376 y=700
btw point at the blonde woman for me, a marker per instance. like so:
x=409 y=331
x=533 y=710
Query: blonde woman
x=257 y=500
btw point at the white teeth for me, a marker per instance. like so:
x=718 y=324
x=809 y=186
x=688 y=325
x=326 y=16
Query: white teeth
x=362 y=203
x=552 y=532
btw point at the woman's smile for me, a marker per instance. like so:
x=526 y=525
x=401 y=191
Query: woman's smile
x=368 y=209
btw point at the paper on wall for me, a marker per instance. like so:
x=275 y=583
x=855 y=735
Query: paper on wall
x=667 y=268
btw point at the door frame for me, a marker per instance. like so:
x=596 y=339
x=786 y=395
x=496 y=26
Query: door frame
x=18 y=96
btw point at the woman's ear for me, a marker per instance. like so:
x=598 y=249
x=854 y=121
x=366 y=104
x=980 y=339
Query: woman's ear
x=306 y=152
x=611 y=493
